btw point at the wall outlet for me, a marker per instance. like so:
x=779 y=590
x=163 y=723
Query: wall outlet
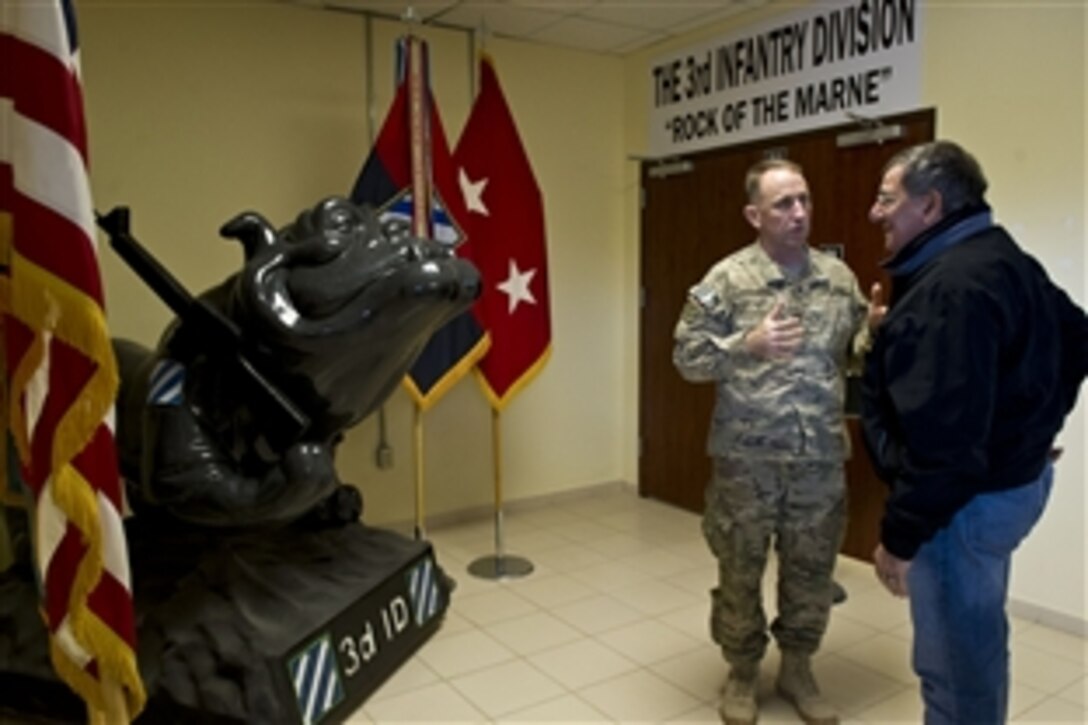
x=383 y=457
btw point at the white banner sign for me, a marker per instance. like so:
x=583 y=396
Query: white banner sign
x=802 y=70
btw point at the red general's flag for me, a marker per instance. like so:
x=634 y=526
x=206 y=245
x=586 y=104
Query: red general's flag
x=61 y=375
x=506 y=229
x=410 y=174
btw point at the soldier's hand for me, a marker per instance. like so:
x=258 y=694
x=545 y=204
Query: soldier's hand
x=776 y=336
x=877 y=308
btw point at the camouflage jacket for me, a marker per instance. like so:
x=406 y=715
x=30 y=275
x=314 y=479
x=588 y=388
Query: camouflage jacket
x=774 y=409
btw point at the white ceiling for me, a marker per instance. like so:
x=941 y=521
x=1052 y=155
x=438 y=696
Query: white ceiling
x=615 y=27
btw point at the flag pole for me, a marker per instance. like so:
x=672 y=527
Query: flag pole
x=496 y=463
x=418 y=117
x=499 y=565
x=417 y=430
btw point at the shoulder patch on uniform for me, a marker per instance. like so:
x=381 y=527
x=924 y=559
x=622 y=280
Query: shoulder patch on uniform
x=705 y=295
x=167 y=383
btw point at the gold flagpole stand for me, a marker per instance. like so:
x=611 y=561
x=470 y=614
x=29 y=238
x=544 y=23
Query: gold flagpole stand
x=417 y=430
x=499 y=565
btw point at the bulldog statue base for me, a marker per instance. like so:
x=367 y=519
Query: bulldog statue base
x=246 y=627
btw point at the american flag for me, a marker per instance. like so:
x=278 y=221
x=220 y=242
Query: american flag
x=60 y=370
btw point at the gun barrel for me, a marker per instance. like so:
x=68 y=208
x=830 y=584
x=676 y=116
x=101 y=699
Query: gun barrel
x=154 y=275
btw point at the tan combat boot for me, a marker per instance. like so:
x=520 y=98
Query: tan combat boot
x=738 y=705
x=797 y=685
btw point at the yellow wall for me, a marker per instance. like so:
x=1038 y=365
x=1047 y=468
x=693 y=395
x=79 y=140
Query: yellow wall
x=197 y=111
x=1008 y=82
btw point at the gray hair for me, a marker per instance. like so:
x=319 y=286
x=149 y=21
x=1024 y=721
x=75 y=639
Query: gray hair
x=945 y=167
x=758 y=169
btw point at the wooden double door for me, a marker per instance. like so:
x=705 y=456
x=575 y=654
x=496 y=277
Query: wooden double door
x=691 y=217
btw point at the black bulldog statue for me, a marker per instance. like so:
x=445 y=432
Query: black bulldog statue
x=254 y=580
x=233 y=419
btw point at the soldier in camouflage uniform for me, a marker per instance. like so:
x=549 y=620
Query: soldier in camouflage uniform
x=775 y=326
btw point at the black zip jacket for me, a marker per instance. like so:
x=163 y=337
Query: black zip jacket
x=971 y=375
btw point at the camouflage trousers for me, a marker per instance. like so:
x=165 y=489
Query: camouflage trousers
x=802 y=507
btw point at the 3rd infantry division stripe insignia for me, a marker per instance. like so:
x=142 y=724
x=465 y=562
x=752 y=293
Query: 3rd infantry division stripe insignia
x=316 y=679
x=167 y=383
x=424 y=591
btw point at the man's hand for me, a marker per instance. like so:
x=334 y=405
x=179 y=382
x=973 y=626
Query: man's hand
x=877 y=308
x=775 y=336
x=891 y=571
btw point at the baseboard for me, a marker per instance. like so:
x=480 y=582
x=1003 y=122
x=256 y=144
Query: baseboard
x=478 y=513
x=1048 y=617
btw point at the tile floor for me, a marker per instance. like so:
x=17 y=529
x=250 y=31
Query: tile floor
x=611 y=627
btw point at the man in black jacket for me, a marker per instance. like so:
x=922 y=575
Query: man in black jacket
x=970 y=378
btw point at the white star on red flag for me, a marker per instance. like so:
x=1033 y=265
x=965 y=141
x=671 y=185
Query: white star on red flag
x=516 y=287
x=473 y=191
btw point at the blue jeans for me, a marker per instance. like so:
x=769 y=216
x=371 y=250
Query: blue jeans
x=958 y=585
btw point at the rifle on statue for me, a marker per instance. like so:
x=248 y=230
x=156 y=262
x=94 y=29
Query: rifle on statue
x=212 y=330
